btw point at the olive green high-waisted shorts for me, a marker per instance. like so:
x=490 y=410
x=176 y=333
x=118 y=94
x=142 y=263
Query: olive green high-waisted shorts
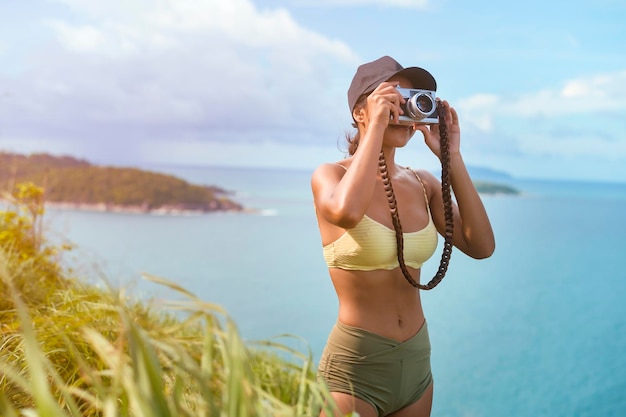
x=386 y=373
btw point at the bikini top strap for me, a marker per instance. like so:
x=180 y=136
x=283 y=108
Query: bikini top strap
x=423 y=187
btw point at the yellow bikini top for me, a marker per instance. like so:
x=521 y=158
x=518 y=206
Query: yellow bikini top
x=371 y=245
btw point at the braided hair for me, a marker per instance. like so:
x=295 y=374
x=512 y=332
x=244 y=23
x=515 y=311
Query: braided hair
x=447 y=204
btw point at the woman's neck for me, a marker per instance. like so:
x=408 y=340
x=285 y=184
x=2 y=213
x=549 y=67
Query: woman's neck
x=390 y=160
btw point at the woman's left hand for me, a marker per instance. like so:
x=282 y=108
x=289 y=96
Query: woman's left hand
x=431 y=132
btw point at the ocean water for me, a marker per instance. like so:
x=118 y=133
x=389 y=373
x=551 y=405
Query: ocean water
x=538 y=329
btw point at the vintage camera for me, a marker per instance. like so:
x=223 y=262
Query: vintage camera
x=420 y=106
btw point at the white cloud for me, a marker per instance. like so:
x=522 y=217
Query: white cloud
x=146 y=24
x=124 y=79
x=78 y=39
x=195 y=68
x=582 y=118
x=584 y=96
x=611 y=83
x=473 y=110
x=411 y=4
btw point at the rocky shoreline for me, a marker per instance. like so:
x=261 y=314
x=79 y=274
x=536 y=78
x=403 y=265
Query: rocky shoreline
x=169 y=210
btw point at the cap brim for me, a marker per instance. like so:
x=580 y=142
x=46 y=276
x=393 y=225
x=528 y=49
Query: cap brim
x=419 y=77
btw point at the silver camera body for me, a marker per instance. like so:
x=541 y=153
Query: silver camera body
x=420 y=107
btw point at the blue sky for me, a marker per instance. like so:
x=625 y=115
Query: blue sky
x=540 y=86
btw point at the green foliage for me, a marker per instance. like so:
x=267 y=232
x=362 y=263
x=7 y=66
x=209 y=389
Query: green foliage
x=69 y=180
x=29 y=259
x=70 y=349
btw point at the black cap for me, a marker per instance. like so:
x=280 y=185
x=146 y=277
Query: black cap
x=368 y=76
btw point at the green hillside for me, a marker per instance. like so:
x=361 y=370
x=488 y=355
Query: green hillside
x=77 y=182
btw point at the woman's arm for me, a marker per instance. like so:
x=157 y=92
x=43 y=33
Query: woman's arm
x=341 y=195
x=473 y=234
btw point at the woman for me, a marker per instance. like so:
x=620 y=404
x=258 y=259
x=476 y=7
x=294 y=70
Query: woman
x=377 y=358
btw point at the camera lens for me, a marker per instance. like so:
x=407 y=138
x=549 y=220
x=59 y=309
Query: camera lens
x=420 y=105
x=424 y=103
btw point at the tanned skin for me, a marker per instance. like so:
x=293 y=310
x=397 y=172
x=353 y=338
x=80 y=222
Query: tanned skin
x=382 y=301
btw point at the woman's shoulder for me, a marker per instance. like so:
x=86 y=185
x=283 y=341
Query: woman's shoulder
x=330 y=170
x=423 y=174
x=338 y=166
x=429 y=181
x=426 y=175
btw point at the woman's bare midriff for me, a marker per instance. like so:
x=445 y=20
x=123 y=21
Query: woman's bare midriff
x=381 y=301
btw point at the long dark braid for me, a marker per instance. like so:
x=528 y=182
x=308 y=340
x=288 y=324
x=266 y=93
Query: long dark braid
x=447 y=204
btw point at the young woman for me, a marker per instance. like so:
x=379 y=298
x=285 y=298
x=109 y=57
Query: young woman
x=377 y=358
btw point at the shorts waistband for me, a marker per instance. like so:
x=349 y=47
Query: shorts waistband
x=355 y=340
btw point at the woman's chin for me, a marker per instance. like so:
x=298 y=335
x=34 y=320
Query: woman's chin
x=399 y=134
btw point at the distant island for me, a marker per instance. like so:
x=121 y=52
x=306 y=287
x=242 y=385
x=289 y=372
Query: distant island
x=75 y=183
x=484 y=187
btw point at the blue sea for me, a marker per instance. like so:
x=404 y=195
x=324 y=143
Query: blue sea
x=538 y=329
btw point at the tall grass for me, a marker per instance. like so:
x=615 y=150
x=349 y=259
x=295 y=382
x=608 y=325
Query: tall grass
x=71 y=349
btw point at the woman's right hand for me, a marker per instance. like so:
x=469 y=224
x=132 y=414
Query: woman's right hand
x=383 y=104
